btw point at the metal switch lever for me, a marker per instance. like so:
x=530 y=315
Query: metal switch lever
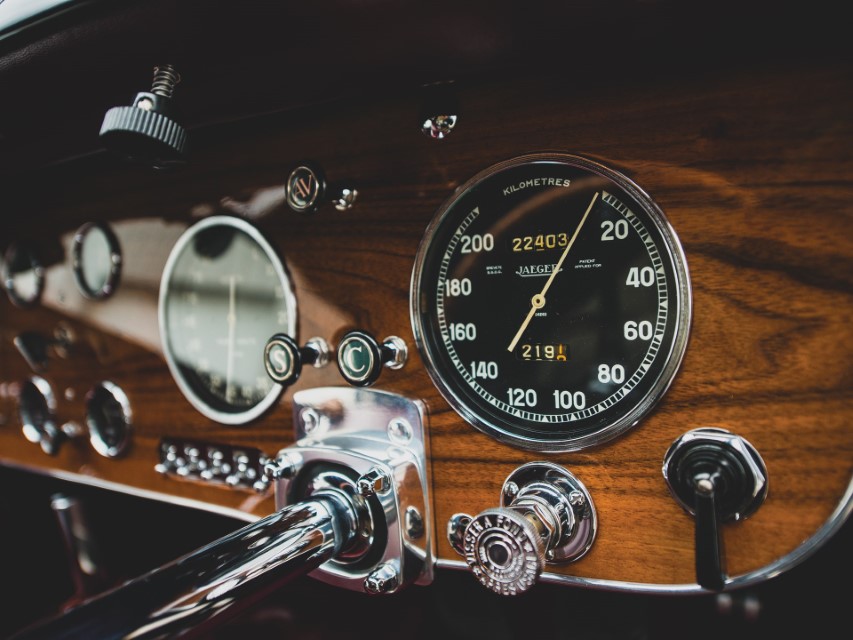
x=710 y=560
x=214 y=583
x=361 y=357
x=715 y=476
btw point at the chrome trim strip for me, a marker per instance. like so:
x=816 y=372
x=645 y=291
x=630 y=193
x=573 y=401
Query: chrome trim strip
x=147 y=494
x=768 y=572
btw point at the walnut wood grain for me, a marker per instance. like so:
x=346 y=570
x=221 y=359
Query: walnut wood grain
x=753 y=172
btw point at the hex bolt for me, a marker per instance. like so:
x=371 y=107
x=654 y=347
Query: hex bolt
x=373 y=482
x=286 y=465
x=383 y=579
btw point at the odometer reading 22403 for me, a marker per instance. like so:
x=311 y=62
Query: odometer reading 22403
x=551 y=302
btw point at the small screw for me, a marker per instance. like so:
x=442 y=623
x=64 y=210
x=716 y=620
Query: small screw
x=400 y=431
x=510 y=490
x=346 y=200
x=414 y=523
x=577 y=499
x=438 y=127
x=310 y=420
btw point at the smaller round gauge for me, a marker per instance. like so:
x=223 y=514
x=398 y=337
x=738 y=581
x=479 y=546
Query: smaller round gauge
x=23 y=275
x=96 y=259
x=224 y=292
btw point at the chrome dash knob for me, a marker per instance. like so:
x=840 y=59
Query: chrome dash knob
x=504 y=551
x=546 y=516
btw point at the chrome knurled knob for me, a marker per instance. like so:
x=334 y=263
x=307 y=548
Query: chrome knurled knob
x=504 y=551
x=147 y=130
x=546 y=517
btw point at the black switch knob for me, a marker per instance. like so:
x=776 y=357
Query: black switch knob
x=147 y=131
x=306 y=190
x=284 y=358
x=717 y=477
x=361 y=357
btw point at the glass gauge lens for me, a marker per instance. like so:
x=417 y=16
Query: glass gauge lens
x=96 y=260
x=551 y=302
x=224 y=292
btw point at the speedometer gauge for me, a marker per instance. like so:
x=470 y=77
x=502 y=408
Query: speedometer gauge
x=551 y=302
x=224 y=292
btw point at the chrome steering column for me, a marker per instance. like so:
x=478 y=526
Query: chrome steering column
x=353 y=509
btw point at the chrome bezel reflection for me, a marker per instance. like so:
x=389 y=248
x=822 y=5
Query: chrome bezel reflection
x=113 y=268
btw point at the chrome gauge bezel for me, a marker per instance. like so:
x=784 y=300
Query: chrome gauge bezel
x=236 y=418
x=502 y=430
x=114 y=267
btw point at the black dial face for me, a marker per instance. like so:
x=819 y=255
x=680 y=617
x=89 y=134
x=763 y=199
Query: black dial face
x=224 y=292
x=551 y=302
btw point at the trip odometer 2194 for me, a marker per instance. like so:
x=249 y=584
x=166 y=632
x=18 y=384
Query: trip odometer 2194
x=551 y=302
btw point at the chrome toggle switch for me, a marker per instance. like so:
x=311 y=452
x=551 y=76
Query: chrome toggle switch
x=716 y=476
x=361 y=357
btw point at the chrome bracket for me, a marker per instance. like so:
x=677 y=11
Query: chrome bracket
x=372 y=445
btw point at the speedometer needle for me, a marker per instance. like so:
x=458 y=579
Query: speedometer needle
x=538 y=300
x=232 y=328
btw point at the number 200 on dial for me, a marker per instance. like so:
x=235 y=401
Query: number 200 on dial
x=551 y=302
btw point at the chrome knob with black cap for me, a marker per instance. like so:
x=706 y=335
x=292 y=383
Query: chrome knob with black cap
x=284 y=358
x=546 y=516
x=716 y=476
x=361 y=357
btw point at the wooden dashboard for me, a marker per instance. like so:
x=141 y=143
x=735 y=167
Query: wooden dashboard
x=751 y=166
